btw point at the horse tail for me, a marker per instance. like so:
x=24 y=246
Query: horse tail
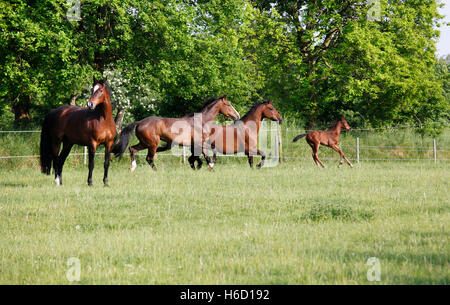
x=46 y=156
x=299 y=137
x=120 y=147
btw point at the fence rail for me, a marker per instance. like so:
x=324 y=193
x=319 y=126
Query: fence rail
x=435 y=152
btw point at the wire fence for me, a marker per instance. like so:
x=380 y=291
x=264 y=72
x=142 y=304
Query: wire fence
x=374 y=144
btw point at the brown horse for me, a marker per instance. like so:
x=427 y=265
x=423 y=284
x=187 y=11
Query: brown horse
x=185 y=131
x=242 y=136
x=71 y=125
x=328 y=138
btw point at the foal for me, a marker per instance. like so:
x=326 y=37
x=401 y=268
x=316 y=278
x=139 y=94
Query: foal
x=328 y=138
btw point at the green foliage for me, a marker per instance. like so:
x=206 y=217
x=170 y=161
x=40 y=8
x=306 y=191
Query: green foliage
x=316 y=59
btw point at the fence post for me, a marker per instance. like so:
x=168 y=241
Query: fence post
x=85 y=155
x=434 y=151
x=184 y=154
x=357 y=149
x=280 y=143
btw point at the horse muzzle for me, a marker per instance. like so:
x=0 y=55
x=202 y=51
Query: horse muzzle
x=90 y=105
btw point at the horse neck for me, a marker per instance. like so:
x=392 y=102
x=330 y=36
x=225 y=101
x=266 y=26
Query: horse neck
x=337 y=128
x=255 y=116
x=106 y=110
x=210 y=112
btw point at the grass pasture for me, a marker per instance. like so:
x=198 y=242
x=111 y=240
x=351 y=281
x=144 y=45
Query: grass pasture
x=291 y=224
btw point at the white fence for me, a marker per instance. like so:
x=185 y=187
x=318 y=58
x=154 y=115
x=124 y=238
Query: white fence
x=357 y=148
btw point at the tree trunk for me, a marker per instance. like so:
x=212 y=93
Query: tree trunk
x=21 y=108
x=119 y=119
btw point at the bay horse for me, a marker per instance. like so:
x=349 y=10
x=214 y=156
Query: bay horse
x=71 y=125
x=328 y=138
x=242 y=136
x=184 y=131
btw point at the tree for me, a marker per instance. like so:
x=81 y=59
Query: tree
x=324 y=58
x=36 y=55
x=384 y=71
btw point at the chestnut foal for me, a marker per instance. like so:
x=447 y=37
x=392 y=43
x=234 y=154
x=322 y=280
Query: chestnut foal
x=328 y=138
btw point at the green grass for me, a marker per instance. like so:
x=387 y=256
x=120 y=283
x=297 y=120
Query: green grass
x=291 y=224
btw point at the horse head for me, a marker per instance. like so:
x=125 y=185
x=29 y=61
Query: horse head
x=98 y=93
x=344 y=123
x=227 y=109
x=270 y=112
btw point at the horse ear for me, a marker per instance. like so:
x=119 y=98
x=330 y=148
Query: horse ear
x=94 y=79
x=270 y=102
x=105 y=79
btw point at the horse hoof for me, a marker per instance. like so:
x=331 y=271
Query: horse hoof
x=259 y=165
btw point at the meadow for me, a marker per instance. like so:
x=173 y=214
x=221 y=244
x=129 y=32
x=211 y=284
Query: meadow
x=290 y=224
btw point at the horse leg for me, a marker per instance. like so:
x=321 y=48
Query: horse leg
x=164 y=148
x=133 y=150
x=192 y=158
x=316 y=155
x=92 y=149
x=341 y=153
x=263 y=157
x=214 y=156
x=207 y=158
x=199 y=162
x=250 y=159
x=108 y=147
x=55 y=152
x=313 y=154
x=61 y=159
x=151 y=153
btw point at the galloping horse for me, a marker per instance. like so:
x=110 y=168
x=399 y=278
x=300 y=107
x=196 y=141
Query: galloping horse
x=328 y=138
x=74 y=125
x=242 y=136
x=185 y=131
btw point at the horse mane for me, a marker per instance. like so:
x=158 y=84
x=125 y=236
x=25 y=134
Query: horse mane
x=208 y=102
x=253 y=109
x=334 y=124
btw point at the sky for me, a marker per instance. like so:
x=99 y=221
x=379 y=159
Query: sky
x=443 y=44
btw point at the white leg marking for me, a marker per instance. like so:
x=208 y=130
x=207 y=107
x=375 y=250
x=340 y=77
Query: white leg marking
x=133 y=166
x=57 y=181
